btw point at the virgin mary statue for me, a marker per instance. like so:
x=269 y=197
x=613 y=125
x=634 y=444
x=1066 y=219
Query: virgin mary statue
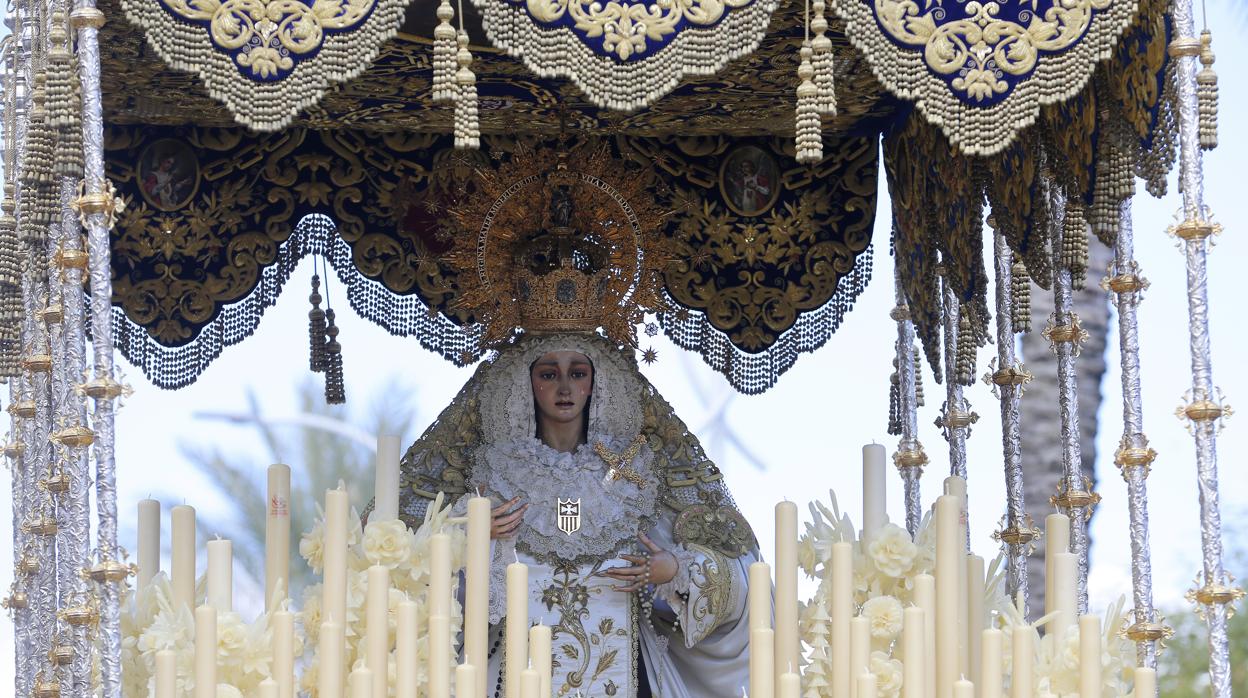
x=637 y=554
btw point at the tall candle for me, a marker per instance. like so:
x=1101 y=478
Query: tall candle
x=874 y=490
x=859 y=650
x=949 y=558
x=166 y=674
x=956 y=486
x=284 y=653
x=386 y=499
x=221 y=575
x=477 y=589
x=1056 y=540
x=866 y=685
x=991 y=680
x=182 y=554
x=1022 y=679
x=1064 y=603
x=912 y=636
x=361 y=682
x=334 y=556
x=925 y=598
x=406 y=638
x=788 y=648
x=975 y=611
x=332 y=654
x=1089 y=656
x=1145 y=682
x=539 y=653
x=517 y=627
x=760 y=595
x=963 y=689
x=530 y=684
x=790 y=685
x=277 y=537
x=440 y=657
x=762 y=658
x=842 y=613
x=440 y=575
x=267 y=688
x=465 y=681
x=149 y=541
x=377 y=629
x=205 y=652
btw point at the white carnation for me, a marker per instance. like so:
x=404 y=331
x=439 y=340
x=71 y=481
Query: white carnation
x=892 y=550
x=888 y=675
x=388 y=543
x=884 y=614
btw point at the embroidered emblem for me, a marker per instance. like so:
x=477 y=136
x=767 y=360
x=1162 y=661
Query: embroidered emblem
x=569 y=515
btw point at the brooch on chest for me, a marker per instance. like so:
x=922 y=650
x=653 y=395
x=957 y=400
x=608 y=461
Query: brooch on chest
x=569 y=515
x=618 y=463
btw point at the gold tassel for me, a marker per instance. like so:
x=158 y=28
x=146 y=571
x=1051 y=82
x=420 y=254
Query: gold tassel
x=467 y=128
x=822 y=61
x=444 y=55
x=1075 y=245
x=1020 y=284
x=1207 y=94
x=809 y=128
x=964 y=365
x=10 y=288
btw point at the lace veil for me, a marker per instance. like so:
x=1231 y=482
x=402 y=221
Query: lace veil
x=496 y=404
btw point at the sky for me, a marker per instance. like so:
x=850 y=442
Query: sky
x=809 y=429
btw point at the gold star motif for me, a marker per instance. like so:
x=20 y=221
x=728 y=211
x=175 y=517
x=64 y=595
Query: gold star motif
x=650 y=355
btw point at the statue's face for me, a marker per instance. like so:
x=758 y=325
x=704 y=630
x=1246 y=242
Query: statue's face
x=562 y=383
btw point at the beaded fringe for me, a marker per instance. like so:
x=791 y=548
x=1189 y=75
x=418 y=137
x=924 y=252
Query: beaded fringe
x=467 y=128
x=10 y=288
x=809 y=126
x=1075 y=245
x=335 y=390
x=316 y=329
x=1020 y=286
x=918 y=378
x=1207 y=94
x=444 y=55
x=964 y=362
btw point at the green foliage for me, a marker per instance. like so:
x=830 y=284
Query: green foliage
x=318 y=460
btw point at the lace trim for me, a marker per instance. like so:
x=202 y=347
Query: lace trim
x=676 y=590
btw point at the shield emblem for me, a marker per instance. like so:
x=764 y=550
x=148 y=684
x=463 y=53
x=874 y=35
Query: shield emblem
x=569 y=515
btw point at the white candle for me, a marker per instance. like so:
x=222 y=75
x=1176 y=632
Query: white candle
x=842 y=612
x=332 y=656
x=788 y=647
x=912 y=637
x=760 y=595
x=149 y=541
x=530 y=684
x=540 y=654
x=465 y=680
x=925 y=598
x=874 y=490
x=334 y=556
x=166 y=674
x=975 y=610
x=1064 y=571
x=1022 y=679
x=1089 y=656
x=440 y=657
x=762 y=658
x=386 y=499
x=440 y=575
x=284 y=653
x=277 y=537
x=866 y=685
x=991 y=680
x=205 y=652
x=267 y=688
x=949 y=557
x=790 y=685
x=361 y=682
x=1056 y=540
x=963 y=689
x=477 y=588
x=377 y=630
x=406 y=639
x=221 y=575
x=182 y=554
x=956 y=486
x=859 y=650
x=1145 y=682
x=517 y=627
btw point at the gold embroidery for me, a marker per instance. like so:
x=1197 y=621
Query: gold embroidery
x=715 y=594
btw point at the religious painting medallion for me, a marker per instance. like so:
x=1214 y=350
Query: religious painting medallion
x=749 y=180
x=569 y=515
x=168 y=174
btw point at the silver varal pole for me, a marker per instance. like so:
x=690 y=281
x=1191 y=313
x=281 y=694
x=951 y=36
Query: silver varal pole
x=1008 y=378
x=97 y=206
x=1073 y=498
x=1204 y=409
x=955 y=418
x=909 y=457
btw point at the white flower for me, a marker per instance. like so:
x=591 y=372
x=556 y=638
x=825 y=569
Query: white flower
x=312 y=546
x=387 y=543
x=888 y=675
x=225 y=690
x=892 y=550
x=884 y=614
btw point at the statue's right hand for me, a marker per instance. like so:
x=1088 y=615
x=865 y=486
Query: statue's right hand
x=506 y=519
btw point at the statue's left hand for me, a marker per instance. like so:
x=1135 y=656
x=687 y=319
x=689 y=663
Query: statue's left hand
x=657 y=566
